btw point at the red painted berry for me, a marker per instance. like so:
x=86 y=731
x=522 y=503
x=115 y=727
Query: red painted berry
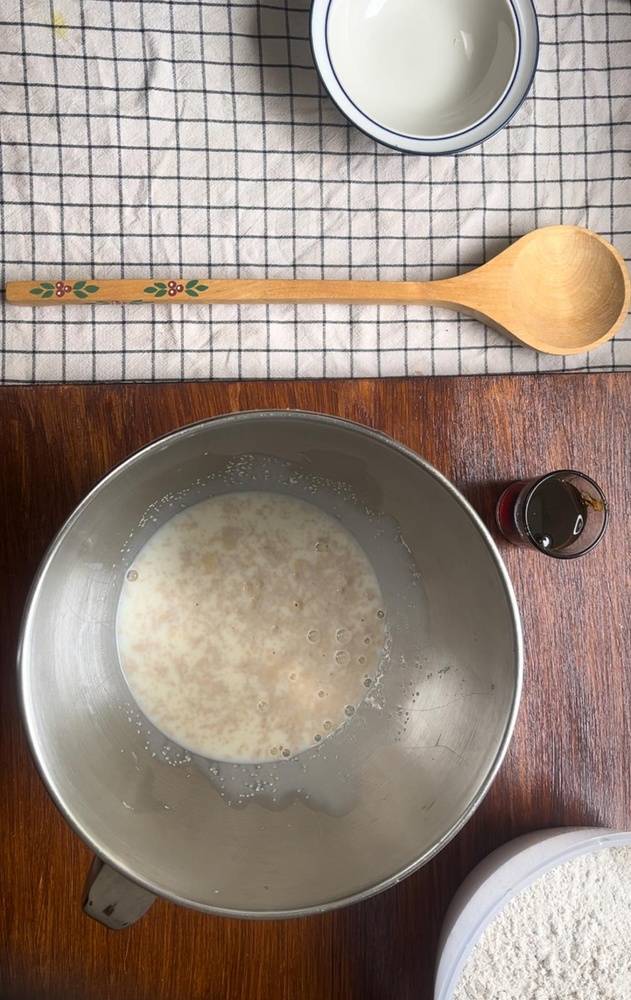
x=180 y=288
x=59 y=293
x=172 y=284
x=59 y=284
x=172 y=292
x=67 y=288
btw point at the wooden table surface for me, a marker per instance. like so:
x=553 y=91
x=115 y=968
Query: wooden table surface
x=569 y=761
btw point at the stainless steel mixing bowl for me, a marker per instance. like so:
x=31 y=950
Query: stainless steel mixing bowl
x=375 y=800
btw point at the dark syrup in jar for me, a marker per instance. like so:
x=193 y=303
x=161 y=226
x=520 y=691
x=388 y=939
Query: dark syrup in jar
x=556 y=514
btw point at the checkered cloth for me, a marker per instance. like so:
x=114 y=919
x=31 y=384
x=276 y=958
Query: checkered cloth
x=173 y=137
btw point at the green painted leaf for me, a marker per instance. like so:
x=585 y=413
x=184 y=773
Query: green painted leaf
x=78 y=285
x=151 y=289
x=47 y=284
x=160 y=293
x=91 y=288
x=192 y=293
x=48 y=293
x=202 y=288
x=36 y=291
x=160 y=284
x=81 y=295
x=191 y=284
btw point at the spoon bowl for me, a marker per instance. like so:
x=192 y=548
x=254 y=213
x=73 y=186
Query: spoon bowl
x=560 y=290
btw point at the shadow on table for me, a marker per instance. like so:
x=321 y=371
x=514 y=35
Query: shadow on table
x=391 y=950
x=280 y=36
x=483 y=497
x=289 y=80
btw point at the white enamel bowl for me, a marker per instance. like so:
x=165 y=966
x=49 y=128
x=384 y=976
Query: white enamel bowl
x=426 y=77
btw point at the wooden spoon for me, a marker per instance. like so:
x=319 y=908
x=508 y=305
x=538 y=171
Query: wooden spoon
x=560 y=290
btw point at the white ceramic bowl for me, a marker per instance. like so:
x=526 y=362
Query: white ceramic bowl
x=426 y=76
x=496 y=880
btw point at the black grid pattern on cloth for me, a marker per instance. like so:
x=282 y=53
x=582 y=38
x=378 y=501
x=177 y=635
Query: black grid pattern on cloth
x=188 y=137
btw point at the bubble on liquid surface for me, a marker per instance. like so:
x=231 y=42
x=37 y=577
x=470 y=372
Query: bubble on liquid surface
x=343 y=635
x=367 y=640
x=326 y=725
x=381 y=614
x=132 y=575
x=286 y=752
x=361 y=659
x=321 y=694
x=367 y=682
x=262 y=706
x=342 y=657
x=313 y=635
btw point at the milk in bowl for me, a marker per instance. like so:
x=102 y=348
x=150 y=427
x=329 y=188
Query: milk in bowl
x=250 y=626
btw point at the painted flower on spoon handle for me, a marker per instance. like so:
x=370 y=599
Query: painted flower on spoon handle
x=191 y=288
x=61 y=289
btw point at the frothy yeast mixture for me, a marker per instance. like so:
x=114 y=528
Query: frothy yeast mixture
x=250 y=626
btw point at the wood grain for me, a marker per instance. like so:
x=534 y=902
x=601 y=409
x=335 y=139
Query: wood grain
x=569 y=762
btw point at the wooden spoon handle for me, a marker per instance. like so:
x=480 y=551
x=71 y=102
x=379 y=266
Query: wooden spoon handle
x=57 y=292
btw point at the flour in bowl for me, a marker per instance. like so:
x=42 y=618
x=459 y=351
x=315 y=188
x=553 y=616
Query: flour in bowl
x=250 y=626
x=566 y=937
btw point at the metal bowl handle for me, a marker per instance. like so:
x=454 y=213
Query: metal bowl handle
x=112 y=899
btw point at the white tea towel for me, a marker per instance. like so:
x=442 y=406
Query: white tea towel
x=185 y=138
